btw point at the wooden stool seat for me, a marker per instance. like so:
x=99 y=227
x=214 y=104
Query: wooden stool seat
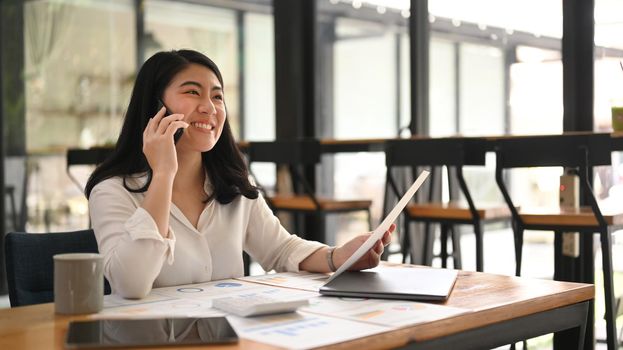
x=305 y=203
x=457 y=211
x=560 y=216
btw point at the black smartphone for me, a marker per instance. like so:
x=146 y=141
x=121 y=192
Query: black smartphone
x=117 y=333
x=178 y=132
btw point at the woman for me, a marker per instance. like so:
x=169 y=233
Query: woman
x=167 y=213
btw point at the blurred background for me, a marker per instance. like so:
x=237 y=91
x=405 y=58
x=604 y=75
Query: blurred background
x=495 y=67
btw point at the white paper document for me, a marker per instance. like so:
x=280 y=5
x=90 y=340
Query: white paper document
x=298 y=280
x=326 y=321
x=302 y=330
x=191 y=300
x=389 y=313
x=161 y=309
x=114 y=300
x=384 y=226
x=207 y=290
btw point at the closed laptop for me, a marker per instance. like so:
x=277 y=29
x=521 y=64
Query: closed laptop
x=407 y=283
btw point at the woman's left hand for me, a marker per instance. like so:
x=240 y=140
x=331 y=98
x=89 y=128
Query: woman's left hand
x=370 y=259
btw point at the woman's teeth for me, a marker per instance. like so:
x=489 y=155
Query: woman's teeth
x=203 y=126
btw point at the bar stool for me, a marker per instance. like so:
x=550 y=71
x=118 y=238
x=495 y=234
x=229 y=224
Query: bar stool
x=451 y=153
x=92 y=156
x=580 y=152
x=9 y=191
x=295 y=155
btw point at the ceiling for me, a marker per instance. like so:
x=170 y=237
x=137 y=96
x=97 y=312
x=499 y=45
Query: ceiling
x=540 y=17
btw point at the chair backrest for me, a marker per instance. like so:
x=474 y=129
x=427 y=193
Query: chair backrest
x=18 y=170
x=93 y=156
x=30 y=266
x=581 y=151
x=451 y=151
x=297 y=155
x=434 y=152
x=288 y=152
x=567 y=150
x=425 y=152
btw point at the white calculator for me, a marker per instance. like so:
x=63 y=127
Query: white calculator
x=256 y=304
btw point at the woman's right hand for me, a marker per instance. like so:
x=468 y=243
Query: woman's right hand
x=158 y=144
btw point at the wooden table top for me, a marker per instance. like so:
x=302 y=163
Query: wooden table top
x=582 y=216
x=492 y=298
x=457 y=211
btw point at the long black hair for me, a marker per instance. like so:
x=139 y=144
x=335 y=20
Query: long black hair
x=224 y=164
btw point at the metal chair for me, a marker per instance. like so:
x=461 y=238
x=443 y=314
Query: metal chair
x=580 y=152
x=297 y=155
x=453 y=154
x=30 y=266
x=18 y=170
x=92 y=156
x=9 y=191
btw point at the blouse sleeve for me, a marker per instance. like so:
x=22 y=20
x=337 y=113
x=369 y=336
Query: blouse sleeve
x=271 y=245
x=128 y=238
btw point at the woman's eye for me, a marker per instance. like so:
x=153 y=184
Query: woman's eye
x=219 y=97
x=193 y=92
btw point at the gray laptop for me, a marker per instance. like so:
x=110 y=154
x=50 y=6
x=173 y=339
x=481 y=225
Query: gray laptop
x=408 y=283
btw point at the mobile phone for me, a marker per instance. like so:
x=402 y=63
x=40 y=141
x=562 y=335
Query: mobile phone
x=178 y=132
x=124 y=333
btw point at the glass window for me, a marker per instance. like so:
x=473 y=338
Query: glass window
x=609 y=24
x=259 y=88
x=405 y=81
x=259 y=71
x=365 y=106
x=543 y=18
x=608 y=93
x=365 y=80
x=536 y=108
x=79 y=64
x=442 y=81
x=79 y=69
x=481 y=90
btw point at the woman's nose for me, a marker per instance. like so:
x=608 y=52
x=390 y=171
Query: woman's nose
x=207 y=107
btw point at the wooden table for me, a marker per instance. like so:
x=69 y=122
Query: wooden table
x=505 y=309
x=341 y=145
x=569 y=269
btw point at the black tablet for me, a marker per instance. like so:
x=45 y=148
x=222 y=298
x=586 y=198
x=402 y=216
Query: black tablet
x=149 y=332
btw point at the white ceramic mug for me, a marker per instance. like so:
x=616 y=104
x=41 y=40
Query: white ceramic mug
x=78 y=283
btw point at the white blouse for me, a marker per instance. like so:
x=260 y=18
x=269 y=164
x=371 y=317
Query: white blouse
x=137 y=257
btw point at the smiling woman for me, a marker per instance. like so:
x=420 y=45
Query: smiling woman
x=197 y=89
x=153 y=197
x=190 y=85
